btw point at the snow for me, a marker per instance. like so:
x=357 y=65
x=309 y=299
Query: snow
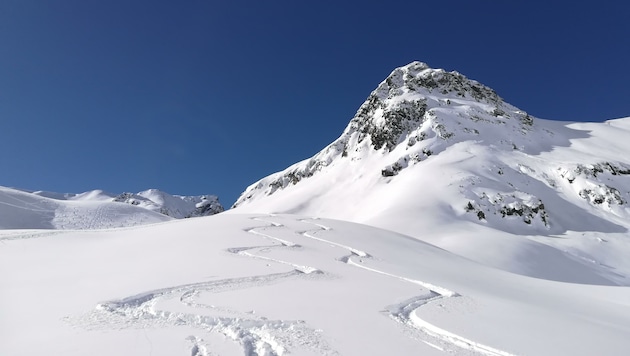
x=177 y=206
x=23 y=210
x=96 y=209
x=442 y=221
x=280 y=284
x=234 y=284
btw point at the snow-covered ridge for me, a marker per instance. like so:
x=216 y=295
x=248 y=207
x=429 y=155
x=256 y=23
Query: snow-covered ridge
x=176 y=206
x=417 y=113
x=442 y=158
x=21 y=209
x=420 y=109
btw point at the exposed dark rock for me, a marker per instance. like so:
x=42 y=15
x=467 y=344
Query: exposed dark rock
x=602 y=194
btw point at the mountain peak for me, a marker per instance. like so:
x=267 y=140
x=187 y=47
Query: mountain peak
x=495 y=163
x=416 y=101
x=176 y=206
x=419 y=77
x=416 y=112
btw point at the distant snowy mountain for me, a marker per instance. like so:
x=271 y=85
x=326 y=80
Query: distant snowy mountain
x=176 y=206
x=443 y=158
x=21 y=209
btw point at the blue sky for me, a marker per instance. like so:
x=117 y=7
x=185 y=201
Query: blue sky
x=198 y=97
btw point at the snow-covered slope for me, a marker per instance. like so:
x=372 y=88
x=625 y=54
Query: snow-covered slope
x=96 y=209
x=176 y=206
x=234 y=284
x=23 y=210
x=442 y=158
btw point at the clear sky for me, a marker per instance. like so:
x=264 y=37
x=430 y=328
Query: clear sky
x=206 y=97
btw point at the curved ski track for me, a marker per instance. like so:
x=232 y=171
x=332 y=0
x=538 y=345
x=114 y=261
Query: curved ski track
x=406 y=313
x=260 y=336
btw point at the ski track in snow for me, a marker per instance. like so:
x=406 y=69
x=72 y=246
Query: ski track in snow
x=258 y=335
x=326 y=228
x=406 y=313
x=97 y=216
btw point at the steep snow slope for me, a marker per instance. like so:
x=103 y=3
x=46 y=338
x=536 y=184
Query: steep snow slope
x=23 y=210
x=442 y=158
x=234 y=284
x=97 y=209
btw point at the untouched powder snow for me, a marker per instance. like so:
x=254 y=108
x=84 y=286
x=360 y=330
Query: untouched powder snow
x=442 y=158
x=234 y=284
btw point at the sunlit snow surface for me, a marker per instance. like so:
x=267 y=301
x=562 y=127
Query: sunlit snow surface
x=234 y=284
x=505 y=235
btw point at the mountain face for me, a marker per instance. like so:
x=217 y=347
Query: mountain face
x=96 y=209
x=417 y=111
x=440 y=157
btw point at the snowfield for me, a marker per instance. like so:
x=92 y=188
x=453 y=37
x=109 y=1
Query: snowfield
x=443 y=221
x=20 y=209
x=284 y=284
x=24 y=210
